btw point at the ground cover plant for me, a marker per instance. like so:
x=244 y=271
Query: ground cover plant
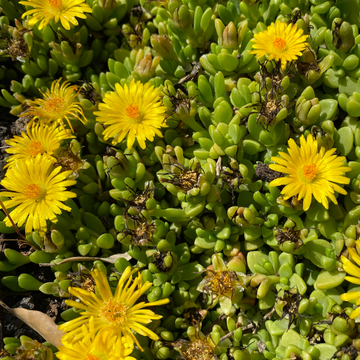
x=180 y=179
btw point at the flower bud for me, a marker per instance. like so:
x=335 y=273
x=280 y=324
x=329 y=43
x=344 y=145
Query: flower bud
x=163 y=46
x=108 y=4
x=307 y=112
x=229 y=37
x=243 y=25
x=146 y=67
x=32 y=349
x=182 y=17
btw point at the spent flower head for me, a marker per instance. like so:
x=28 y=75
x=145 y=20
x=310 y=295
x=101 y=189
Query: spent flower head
x=310 y=172
x=222 y=284
x=58 y=105
x=281 y=42
x=134 y=111
x=197 y=349
x=289 y=301
x=32 y=349
x=13 y=43
x=181 y=177
x=37 y=190
x=46 y=11
x=69 y=158
x=115 y=315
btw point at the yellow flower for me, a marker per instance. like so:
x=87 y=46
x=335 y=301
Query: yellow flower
x=58 y=105
x=92 y=347
x=39 y=139
x=280 y=42
x=64 y=10
x=37 y=191
x=353 y=270
x=133 y=110
x=311 y=172
x=115 y=316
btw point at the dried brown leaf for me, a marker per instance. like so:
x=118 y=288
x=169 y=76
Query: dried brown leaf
x=40 y=322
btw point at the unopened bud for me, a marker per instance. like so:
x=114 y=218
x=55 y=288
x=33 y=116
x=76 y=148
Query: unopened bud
x=182 y=17
x=163 y=46
x=229 y=37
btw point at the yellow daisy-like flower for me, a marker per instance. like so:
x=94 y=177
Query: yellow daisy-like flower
x=115 y=315
x=57 y=105
x=92 y=347
x=40 y=139
x=280 y=41
x=37 y=191
x=64 y=10
x=353 y=270
x=134 y=110
x=311 y=172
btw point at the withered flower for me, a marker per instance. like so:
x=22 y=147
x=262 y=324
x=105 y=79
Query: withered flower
x=88 y=92
x=270 y=106
x=12 y=42
x=198 y=349
x=133 y=33
x=222 y=284
x=62 y=37
x=230 y=176
x=193 y=316
x=138 y=201
x=315 y=336
x=181 y=177
x=295 y=16
x=351 y=350
x=82 y=279
x=32 y=349
x=275 y=75
x=138 y=232
x=165 y=261
x=307 y=62
x=181 y=102
x=288 y=239
x=290 y=305
x=68 y=157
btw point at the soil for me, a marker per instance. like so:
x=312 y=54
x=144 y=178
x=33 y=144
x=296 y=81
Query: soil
x=9 y=126
x=11 y=326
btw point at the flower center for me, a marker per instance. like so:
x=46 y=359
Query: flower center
x=35 y=148
x=55 y=4
x=279 y=44
x=90 y=357
x=221 y=282
x=133 y=111
x=310 y=171
x=54 y=105
x=32 y=191
x=114 y=312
